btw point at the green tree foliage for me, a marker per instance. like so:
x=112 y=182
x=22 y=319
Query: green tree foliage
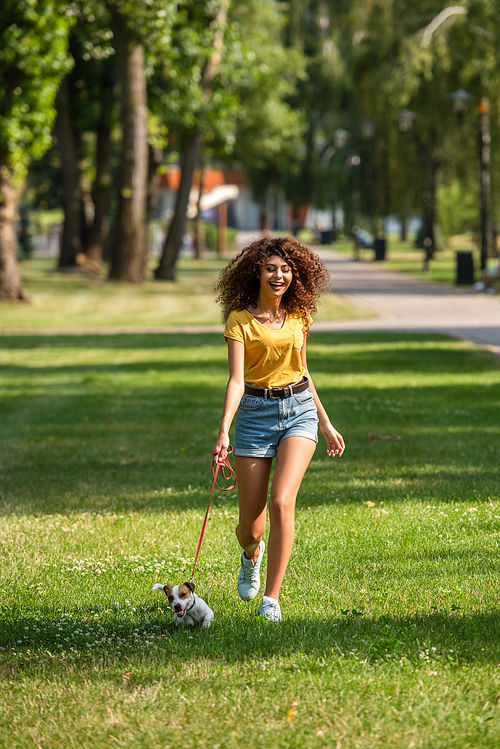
x=257 y=77
x=86 y=115
x=203 y=62
x=382 y=71
x=114 y=46
x=412 y=62
x=143 y=40
x=268 y=126
x=457 y=208
x=317 y=30
x=261 y=83
x=33 y=59
x=228 y=99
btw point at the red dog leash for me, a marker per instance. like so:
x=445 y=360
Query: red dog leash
x=225 y=465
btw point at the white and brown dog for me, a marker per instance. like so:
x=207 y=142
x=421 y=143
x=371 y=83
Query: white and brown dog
x=188 y=608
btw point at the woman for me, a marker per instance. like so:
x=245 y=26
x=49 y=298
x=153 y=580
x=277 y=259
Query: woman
x=268 y=293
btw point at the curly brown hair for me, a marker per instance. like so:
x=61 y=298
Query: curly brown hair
x=238 y=285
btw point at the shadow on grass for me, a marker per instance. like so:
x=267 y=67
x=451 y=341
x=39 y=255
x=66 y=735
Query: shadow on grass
x=105 y=436
x=161 y=474
x=365 y=352
x=80 y=640
x=106 y=341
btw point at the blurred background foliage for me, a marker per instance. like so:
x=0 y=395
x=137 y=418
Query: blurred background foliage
x=344 y=104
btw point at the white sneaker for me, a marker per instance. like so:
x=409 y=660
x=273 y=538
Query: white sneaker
x=270 y=609
x=249 y=577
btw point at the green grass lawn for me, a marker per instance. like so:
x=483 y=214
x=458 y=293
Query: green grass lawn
x=68 y=301
x=404 y=257
x=391 y=603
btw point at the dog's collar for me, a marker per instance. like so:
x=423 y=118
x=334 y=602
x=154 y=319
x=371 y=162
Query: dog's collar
x=186 y=609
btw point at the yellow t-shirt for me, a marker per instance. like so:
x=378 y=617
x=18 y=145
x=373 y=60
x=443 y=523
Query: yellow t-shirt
x=272 y=357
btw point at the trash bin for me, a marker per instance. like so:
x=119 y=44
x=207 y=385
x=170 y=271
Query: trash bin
x=326 y=237
x=379 y=247
x=465 y=268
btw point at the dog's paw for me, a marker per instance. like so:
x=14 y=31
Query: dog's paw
x=207 y=621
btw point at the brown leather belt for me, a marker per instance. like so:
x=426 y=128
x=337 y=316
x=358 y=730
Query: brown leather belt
x=277 y=393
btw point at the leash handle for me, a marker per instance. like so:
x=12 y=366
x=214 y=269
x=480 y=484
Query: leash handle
x=225 y=465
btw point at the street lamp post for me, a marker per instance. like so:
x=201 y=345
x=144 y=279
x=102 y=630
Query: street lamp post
x=429 y=167
x=340 y=138
x=484 y=139
x=406 y=117
x=353 y=162
x=459 y=98
x=405 y=124
x=485 y=182
x=326 y=158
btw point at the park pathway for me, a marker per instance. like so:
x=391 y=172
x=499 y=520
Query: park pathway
x=402 y=302
x=398 y=302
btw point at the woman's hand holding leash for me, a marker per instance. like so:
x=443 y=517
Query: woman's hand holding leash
x=221 y=449
x=226 y=469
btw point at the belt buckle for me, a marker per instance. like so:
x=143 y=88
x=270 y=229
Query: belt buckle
x=271 y=394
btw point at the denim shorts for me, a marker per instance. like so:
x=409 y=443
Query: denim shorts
x=261 y=424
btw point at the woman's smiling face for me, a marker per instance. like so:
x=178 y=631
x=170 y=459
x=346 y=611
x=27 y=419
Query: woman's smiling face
x=275 y=277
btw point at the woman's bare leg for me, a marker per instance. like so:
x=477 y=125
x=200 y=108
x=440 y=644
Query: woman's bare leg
x=253 y=482
x=294 y=455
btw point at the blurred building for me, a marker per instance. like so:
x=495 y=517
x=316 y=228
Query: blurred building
x=243 y=212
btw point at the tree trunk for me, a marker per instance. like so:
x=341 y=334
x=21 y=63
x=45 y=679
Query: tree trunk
x=67 y=139
x=101 y=198
x=485 y=222
x=10 y=275
x=222 y=230
x=404 y=224
x=430 y=168
x=199 y=233
x=155 y=160
x=129 y=251
x=173 y=242
x=103 y=179
x=190 y=153
x=386 y=176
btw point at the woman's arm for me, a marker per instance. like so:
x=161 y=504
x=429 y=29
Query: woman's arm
x=234 y=391
x=334 y=441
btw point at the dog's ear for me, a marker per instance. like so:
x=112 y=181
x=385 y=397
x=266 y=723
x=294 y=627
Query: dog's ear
x=190 y=586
